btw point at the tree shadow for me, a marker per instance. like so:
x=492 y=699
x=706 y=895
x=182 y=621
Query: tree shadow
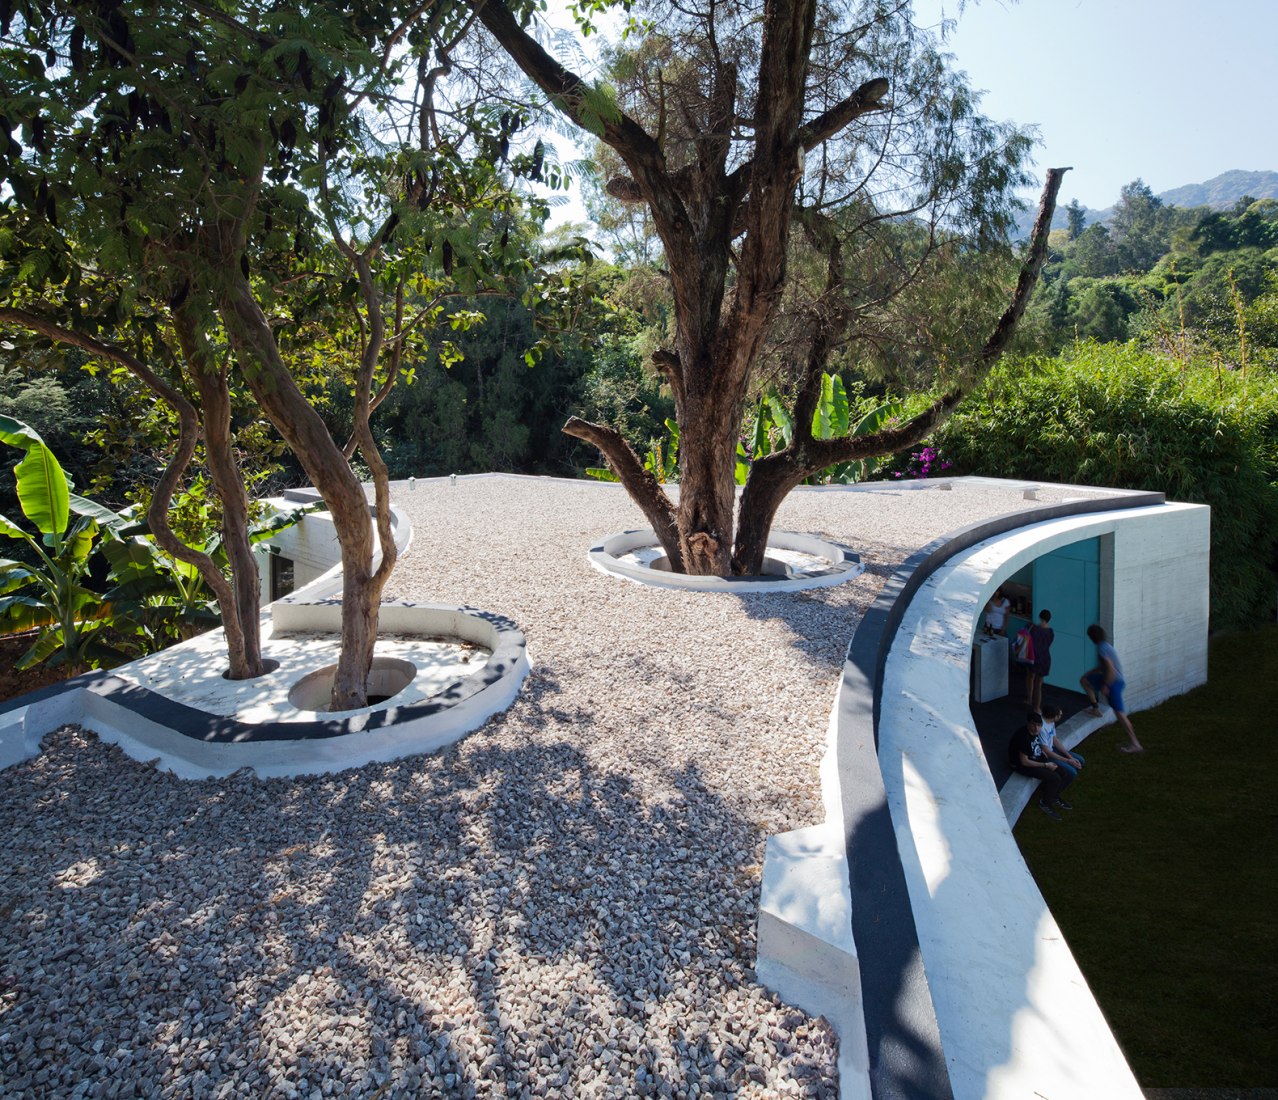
x=505 y=916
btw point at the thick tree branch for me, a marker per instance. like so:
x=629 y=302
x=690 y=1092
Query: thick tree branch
x=1006 y=327
x=643 y=488
x=772 y=174
x=820 y=454
x=867 y=98
x=567 y=90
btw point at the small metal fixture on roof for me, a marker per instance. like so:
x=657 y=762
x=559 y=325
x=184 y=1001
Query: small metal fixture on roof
x=412 y=483
x=1031 y=493
x=452 y=478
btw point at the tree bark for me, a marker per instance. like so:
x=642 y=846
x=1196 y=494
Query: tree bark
x=297 y=421
x=644 y=489
x=228 y=483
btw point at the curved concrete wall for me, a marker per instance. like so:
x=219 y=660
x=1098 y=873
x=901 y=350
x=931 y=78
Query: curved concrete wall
x=962 y=984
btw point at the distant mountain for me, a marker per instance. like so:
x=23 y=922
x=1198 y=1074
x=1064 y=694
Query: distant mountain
x=1220 y=193
x=1225 y=190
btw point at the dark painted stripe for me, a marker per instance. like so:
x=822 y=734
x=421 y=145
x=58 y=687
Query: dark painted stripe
x=199 y=725
x=907 y=1061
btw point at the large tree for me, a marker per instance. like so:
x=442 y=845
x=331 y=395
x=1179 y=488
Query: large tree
x=189 y=185
x=736 y=121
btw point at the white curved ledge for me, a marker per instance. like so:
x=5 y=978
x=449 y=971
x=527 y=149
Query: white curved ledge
x=176 y=709
x=964 y=982
x=830 y=564
x=1014 y=1010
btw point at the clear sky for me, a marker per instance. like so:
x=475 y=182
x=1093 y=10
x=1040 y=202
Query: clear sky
x=1172 y=91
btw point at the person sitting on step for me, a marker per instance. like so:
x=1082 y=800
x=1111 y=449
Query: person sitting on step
x=1025 y=755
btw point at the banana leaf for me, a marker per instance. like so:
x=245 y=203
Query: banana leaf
x=100 y=513
x=831 y=418
x=14 y=575
x=43 y=487
x=24 y=612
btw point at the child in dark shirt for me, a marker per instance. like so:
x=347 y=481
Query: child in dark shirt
x=1025 y=755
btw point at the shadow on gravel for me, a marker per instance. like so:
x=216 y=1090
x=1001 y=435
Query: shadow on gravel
x=820 y=620
x=478 y=923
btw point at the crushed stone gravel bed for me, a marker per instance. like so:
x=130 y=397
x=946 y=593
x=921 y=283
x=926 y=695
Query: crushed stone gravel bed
x=563 y=904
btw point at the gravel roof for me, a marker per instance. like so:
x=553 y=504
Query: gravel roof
x=563 y=904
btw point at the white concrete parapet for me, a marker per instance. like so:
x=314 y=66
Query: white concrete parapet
x=806 y=951
x=1011 y=1013
x=1015 y=1014
x=176 y=709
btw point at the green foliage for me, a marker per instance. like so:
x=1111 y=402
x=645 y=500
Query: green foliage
x=487 y=409
x=1101 y=307
x=1076 y=217
x=770 y=427
x=51 y=596
x=1141 y=228
x=151 y=599
x=1113 y=415
x=661 y=460
x=619 y=390
x=1175 y=279
x=166 y=599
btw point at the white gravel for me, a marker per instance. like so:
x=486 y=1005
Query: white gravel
x=561 y=905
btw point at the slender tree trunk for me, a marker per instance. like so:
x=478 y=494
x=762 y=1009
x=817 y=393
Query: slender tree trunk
x=228 y=483
x=321 y=457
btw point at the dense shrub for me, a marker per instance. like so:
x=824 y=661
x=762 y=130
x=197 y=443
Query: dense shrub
x=1113 y=415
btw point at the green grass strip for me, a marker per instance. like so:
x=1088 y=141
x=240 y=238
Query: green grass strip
x=1163 y=876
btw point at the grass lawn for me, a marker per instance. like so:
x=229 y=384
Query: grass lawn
x=1163 y=876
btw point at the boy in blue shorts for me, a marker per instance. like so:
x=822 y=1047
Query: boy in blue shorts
x=1107 y=679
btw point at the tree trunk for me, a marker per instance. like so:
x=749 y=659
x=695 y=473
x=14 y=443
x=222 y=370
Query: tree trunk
x=322 y=459
x=707 y=487
x=242 y=619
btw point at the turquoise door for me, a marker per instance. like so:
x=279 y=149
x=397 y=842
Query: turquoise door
x=1067 y=583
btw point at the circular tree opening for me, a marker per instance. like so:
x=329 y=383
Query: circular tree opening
x=772 y=567
x=268 y=666
x=387 y=678
x=795 y=561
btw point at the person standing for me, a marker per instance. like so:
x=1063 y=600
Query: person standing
x=1025 y=755
x=1107 y=679
x=996 y=612
x=1041 y=637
